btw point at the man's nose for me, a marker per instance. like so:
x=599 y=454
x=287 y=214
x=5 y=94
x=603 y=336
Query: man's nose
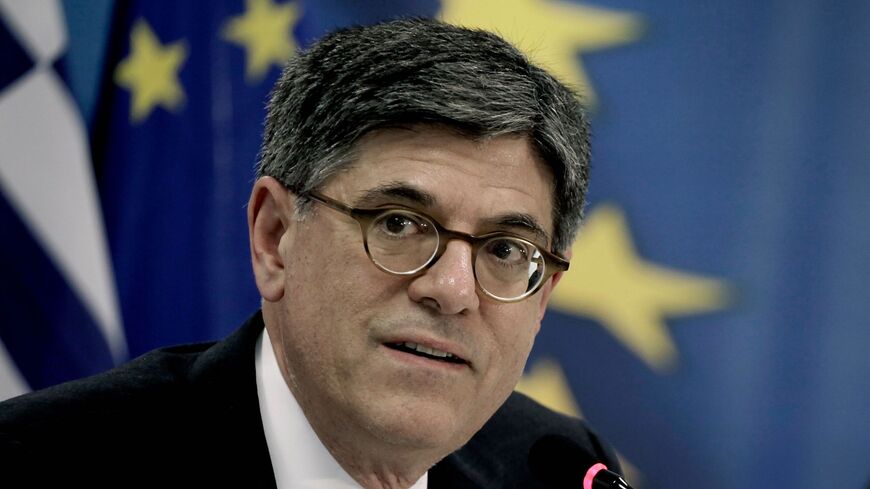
x=449 y=285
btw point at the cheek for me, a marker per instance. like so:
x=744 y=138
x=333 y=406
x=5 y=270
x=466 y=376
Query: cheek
x=521 y=325
x=515 y=336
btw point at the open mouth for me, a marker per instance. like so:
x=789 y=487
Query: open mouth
x=425 y=352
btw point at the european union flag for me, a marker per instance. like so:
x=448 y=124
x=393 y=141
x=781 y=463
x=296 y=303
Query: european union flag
x=175 y=141
x=713 y=325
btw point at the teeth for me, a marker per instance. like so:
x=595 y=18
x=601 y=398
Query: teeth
x=427 y=350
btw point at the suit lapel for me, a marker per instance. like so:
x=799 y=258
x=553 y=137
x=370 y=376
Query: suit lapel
x=452 y=473
x=223 y=380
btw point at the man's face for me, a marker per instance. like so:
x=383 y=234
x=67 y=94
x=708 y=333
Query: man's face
x=337 y=318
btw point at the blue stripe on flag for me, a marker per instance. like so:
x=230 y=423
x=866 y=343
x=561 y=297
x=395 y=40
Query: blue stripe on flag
x=50 y=335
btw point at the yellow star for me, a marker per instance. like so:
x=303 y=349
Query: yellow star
x=629 y=297
x=265 y=31
x=545 y=382
x=551 y=33
x=150 y=72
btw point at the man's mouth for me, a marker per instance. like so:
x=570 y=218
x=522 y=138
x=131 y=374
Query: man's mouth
x=426 y=352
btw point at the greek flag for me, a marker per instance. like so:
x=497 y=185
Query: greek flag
x=60 y=314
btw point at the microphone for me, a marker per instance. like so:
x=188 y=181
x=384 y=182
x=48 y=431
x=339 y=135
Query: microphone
x=560 y=462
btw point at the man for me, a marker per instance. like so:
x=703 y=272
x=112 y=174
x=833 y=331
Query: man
x=418 y=190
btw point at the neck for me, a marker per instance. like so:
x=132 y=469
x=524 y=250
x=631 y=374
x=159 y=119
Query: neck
x=377 y=469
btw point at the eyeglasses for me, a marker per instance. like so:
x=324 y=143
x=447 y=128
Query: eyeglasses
x=401 y=241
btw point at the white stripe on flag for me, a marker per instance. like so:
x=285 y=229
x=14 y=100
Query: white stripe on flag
x=11 y=383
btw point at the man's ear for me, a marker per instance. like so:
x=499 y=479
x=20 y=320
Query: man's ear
x=547 y=289
x=270 y=210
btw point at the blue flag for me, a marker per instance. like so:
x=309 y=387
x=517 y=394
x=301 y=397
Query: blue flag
x=713 y=326
x=175 y=140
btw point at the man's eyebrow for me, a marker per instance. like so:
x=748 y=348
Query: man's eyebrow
x=521 y=221
x=396 y=190
x=404 y=191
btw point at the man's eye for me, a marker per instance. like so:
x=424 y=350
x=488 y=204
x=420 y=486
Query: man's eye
x=399 y=224
x=508 y=250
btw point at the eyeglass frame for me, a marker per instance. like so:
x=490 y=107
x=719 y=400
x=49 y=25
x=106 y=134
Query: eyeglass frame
x=366 y=216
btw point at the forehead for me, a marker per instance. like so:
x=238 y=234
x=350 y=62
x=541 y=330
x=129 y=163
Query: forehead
x=468 y=180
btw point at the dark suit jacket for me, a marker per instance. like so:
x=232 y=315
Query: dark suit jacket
x=189 y=416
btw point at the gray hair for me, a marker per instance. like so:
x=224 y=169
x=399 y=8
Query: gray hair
x=416 y=71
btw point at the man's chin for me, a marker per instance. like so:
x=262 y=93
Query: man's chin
x=423 y=426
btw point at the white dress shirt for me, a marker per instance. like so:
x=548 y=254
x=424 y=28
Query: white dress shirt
x=299 y=459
